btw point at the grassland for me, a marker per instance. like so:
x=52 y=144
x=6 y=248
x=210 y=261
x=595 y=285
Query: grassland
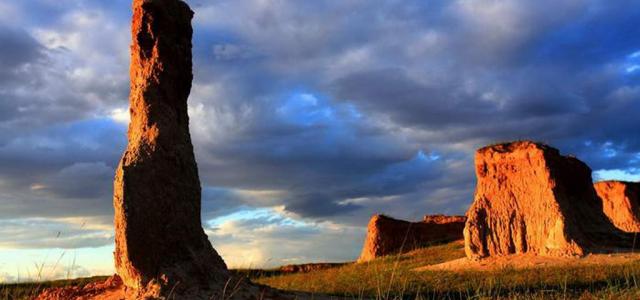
x=394 y=277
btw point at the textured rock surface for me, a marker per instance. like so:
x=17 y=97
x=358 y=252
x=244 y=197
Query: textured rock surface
x=387 y=236
x=160 y=243
x=531 y=199
x=621 y=203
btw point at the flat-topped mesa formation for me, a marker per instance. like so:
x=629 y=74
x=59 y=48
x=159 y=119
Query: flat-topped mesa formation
x=621 y=203
x=386 y=236
x=531 y=199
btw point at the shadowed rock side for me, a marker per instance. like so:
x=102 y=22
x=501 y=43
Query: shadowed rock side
x=620 y=202
x=387 y=236
x=529 y=198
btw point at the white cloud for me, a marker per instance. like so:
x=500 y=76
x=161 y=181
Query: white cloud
x=121 y=115
x=268 y=238
x=66 y=233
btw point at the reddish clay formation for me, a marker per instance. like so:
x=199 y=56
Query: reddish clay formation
x=621 y=203
x=387 y=236
x=160 y=243
x=529 y=198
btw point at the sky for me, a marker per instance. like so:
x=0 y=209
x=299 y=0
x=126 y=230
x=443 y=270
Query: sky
x=307 y=117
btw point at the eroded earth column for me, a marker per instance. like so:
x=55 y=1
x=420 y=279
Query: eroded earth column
x=160 y=244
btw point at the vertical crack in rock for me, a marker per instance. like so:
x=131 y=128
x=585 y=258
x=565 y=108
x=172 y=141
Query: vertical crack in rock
x=529 y=198
x=160 y=243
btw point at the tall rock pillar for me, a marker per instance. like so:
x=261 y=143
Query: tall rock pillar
x=160 y=244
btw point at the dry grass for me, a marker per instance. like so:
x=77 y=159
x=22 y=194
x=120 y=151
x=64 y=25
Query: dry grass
x=393 y=278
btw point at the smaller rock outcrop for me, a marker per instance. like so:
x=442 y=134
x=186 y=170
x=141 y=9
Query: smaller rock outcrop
x=531 y=199
x=386 y=236
x=621 y=203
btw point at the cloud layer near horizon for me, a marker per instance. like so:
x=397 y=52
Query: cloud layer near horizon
x=307 y=117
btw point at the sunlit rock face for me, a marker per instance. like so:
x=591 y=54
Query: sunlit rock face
x=620 y=202
x=529 y=198
x=160 y=243
x=386 y=236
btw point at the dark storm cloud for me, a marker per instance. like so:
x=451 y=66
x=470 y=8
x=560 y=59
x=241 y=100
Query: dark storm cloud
x=60 y=79
x=18 y=48
x=332 y=110
x=318 y=205
x=19 y=54
x=314 y=150
x=423 y=76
